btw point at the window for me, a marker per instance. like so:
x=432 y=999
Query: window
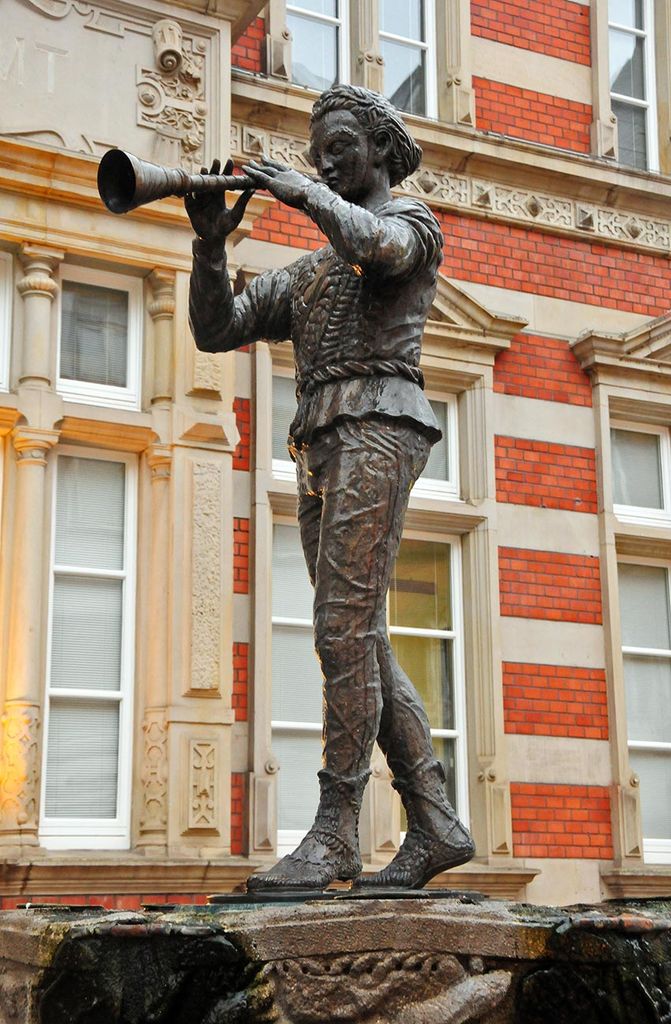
x=319 y=51
x=426 y=632
x=640 y=466
x=99 y=346
x=646 y=638
x=632 y=80
x=440 y=478
x=86 y=776
x=5 y=317
x=407 y=36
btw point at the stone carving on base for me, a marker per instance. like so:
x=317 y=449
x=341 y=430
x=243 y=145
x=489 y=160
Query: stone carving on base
x=202 y=785
x=154 y=815
x=206 y=577
x=19 y=777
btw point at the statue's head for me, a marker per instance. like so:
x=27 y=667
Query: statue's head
x=372 y=123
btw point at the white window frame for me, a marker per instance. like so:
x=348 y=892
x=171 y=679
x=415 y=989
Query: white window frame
x=655 y=851
x=429 y=47
x=105 y=394
x=650 y=103
x=288 y=839
x=6 y=293
x=425 y=487
x=98 y=833
x=342 y=23
x=640 y=515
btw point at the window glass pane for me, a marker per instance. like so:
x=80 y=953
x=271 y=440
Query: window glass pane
x=86 y=633
x=404 y=76
x=94 y=334
x=419 y=596
x=284 y=410
x=292 y=590
x=82 y=759
x=90 y=507
x=297 y=678
x=402 y=18
x=627 y=64
x=637 y=469
x=644 y=606
x=631 y=134
x=626 y=12
x=300 y=758
x=314 y=52
x=445 y=752
x=654 y=769
x=438 y=465
x=648 y=687
x=428 y=663
x=329 y=7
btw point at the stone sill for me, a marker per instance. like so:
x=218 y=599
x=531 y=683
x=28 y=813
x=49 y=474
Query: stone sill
x=636 y=883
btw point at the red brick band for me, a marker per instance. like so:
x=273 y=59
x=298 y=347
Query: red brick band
x=240 y=556
x=542 y=368
x=549 y=585
x=532 y=116
x=241 y=455
x=561 y=821
x=545 y=475
x=555 y=700
x=558 y=29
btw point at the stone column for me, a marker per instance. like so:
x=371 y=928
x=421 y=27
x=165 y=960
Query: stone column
x=154 y=814
x=368 y=64
x=38 y=289
x=161 y=308
x=278 y=40
x=19 y=777
x=604 y=125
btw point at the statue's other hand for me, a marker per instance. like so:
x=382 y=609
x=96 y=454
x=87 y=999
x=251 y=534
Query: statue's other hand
x=283 y=182
x=208 y=212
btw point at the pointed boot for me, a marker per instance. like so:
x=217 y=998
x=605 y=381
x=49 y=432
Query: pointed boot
x=435 y=841
x=330 y=850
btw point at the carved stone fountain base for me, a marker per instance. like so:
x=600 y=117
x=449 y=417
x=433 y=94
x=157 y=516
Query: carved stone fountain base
x=374 y=961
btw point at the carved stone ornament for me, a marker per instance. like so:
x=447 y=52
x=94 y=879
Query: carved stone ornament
x=171 y=99
x=457 y=191
x=394 y=988
x=202 y=786
x=19 y=777
x=206 y=577
x=154 y=775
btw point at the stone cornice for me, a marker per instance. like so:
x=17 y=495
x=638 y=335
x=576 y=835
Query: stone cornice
x=645 y=350
x=481 y=174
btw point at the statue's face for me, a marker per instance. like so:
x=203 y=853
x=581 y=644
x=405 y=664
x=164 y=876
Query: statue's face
x=344 y=154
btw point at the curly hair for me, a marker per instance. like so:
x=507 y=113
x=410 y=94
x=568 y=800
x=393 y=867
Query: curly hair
x=373 y=111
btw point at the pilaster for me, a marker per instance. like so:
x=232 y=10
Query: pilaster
x=278 y=40
x=161 y=308
x=604 y=125
x=456 y=99
x=38 y=289
x=368 y=63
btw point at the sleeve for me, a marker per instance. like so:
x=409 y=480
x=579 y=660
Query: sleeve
x=394 y=242
x=221 y=321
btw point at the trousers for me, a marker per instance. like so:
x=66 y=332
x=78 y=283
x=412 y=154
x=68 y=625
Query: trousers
x=354 y=483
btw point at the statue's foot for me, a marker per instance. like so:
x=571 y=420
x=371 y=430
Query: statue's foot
x=421 y=857
x=320 y=859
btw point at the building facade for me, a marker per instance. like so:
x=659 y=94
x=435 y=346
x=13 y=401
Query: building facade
x=160 y=696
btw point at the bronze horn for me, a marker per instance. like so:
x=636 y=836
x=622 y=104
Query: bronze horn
x=126 y=182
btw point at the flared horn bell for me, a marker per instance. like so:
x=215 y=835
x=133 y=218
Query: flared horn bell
x=126 y=182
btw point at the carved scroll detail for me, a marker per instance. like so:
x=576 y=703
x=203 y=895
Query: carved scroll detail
x=172 y=103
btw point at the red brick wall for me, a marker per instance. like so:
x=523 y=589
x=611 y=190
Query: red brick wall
x=561 y=821
x=555 y=700
x=241 y=408
x=240 y=681
x=283 y=226
x=237 y=813
x=542 y=368
x=545 y=475
x=529 y=260
x=558 y=29
x=549 y=585
x=249 y=51
x=533 y=116
x=240 y=556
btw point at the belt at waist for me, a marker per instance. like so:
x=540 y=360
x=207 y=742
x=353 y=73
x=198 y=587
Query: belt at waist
x=354 y=368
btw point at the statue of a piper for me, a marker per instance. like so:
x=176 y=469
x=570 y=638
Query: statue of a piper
x=355 y=311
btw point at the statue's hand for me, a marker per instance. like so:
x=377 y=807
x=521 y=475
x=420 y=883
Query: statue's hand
x=283 y=182
x=210 y=217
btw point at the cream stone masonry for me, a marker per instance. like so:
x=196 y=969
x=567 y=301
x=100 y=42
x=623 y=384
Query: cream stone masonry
x=556 y=422
x=526 y=69
x=559 y=760
x=537 y=641
x=574 y=533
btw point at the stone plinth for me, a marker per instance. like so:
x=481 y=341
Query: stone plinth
x=375 y=961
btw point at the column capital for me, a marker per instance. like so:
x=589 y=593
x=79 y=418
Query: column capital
x=162 y=304
x=159 y=460
x=40 y=262
x=32 y=444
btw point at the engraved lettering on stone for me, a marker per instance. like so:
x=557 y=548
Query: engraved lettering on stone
x=154 y=775
x=399 y=987
x=19 y=777
x=172 y=104
x=206 y=577
x=202 y=785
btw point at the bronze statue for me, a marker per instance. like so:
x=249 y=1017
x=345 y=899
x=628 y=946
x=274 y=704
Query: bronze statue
x=355 y=311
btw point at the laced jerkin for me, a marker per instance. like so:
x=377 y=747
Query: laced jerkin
x=352 y=368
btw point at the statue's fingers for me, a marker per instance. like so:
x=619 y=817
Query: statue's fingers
x=216 y=166
x=228 y=167
x=204 y=170
x=274 y=164
x=238 y=211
